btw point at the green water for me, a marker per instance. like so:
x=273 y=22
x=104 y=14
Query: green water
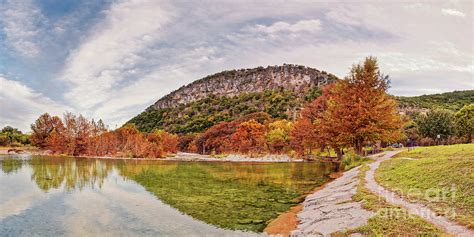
x=141 y=198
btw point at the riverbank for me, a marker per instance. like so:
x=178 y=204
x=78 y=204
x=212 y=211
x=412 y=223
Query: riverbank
x=285 y=223
x=180 y=156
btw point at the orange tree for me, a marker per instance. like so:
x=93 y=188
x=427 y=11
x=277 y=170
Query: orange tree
x=249 y=137
x=42 y=127
x=359 y=110
x=354 y=111
x=302 y=137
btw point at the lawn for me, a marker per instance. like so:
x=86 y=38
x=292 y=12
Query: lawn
x=440 y=176
x=389 y=220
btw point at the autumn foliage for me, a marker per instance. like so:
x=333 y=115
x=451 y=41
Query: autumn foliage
x=353 y=112
x=249 y=137
x=75 y=135
x=350 y=113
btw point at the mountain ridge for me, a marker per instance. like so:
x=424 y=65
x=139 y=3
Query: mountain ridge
x=296 y=78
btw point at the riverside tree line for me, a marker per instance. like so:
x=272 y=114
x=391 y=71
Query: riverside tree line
x=350 y=114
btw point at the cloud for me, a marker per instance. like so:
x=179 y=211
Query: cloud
x=112 y=51
x=452 y=12
x=284 y=27
x=21 y=23
x=21 y=105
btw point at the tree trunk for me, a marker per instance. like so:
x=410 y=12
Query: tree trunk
x=339 y=154
x=359 y=146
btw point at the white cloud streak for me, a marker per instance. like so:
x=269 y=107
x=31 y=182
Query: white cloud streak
x=21 y=21
x=112 y=51
x=452 y=12
x=20 y=105
x=285 y=27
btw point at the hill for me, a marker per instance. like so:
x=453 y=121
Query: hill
x=278 y=90
x=450 y=100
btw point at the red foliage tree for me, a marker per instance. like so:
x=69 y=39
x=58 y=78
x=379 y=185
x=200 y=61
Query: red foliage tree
x=360 y=110
x=79 y=136
x=249 y=137
x=302 y=137
x=41 y=129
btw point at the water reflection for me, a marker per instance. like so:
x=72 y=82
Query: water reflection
x=11 y=165
x=53 y=172
x=122 y=192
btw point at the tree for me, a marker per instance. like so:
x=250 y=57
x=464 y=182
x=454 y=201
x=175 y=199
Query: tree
x=278 y=135
x=42 y=127
x=216 y=138
x=130 y=140
x=185 y=141
x=249 y=137
x=354 y=111
x=83 y=133
x=168 y=142
x=359 y=109
x=56 y=141
x=464 y=121
x=12 y=136
x=436 y=123
x=302 y=137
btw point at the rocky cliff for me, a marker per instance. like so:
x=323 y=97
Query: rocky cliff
x=279 y=91
x=295 y=78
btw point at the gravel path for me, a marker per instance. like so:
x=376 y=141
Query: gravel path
x=412 y=208
x=332 y=209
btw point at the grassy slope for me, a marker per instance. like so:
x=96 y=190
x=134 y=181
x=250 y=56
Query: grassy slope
x=389 y=220
x=442 y=171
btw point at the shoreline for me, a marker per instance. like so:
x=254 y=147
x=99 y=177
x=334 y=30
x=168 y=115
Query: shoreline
x=180 y=156
x=288 y=221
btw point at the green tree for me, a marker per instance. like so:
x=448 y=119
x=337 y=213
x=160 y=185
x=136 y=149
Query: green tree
x=436 y=122
x=464 y=121
x=278 y=135
x=12 y=136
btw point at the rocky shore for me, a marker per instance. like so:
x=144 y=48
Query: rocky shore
x=181 y=156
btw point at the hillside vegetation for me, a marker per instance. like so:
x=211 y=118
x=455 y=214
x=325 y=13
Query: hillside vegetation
x=453 y=101
x=202 y=114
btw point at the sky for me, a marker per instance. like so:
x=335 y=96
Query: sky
x=111 y=59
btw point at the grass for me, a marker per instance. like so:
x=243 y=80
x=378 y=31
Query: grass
x=441 y=176
x=352 y=160
x=219 y=156
x=389 y=220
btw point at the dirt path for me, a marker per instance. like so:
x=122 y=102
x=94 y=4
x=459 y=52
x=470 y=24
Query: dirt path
x=332 y=209
x=412 y=208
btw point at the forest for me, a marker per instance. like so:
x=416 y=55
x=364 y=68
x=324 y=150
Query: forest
x=453 y=101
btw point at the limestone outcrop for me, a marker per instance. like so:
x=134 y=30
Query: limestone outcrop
x=295 y=78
